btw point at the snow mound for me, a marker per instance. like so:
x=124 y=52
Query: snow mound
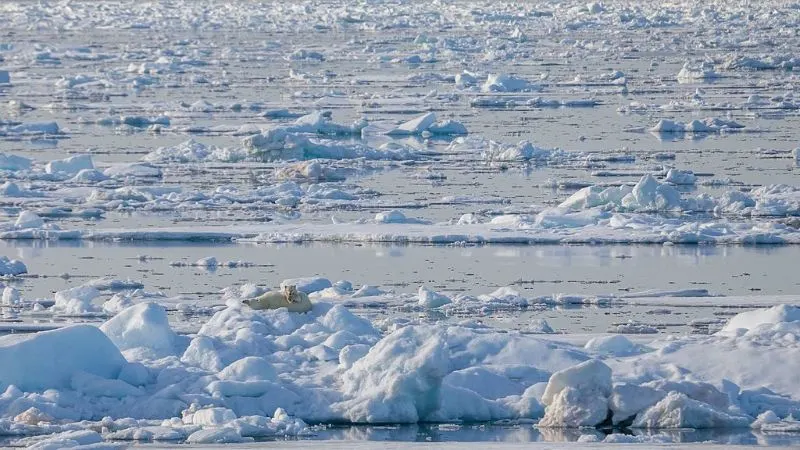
x=50 y=359
x=431 y=299
x=612 y=345
x=76 y=301
x=752 y=320
x=144 y=327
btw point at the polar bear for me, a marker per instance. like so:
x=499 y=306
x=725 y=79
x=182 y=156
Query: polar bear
x=289 y=297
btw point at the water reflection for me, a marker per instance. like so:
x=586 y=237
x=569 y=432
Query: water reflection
x=525 y=432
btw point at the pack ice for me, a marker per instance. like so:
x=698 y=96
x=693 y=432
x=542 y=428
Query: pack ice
x=250 y=123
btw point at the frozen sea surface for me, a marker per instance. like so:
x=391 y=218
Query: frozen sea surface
x=518 y=222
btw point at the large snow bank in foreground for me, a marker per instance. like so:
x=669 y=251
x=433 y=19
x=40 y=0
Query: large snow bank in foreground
x=50 y=359
x=260 y=373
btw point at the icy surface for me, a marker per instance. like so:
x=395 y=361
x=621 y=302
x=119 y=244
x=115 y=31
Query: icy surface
x=554 y=196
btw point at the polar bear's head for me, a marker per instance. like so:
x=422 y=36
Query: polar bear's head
x=290 y=292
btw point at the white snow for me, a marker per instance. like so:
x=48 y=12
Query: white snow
x=243 y=127
x=50 y=359
x=432 y=299
x=577 y=396
x=142 y=327
x=70 y=166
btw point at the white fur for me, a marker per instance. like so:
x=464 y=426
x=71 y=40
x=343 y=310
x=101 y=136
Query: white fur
x=290 y=298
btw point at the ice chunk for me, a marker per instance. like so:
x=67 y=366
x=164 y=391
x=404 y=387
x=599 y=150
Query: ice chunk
x=677 y=410
x=414 y=126
x=5 y=78
x=11 y=296
x=627 y=400
x=539 y=326
x=507 y=83
x=88 y=176
x=466 y=79
x=76 y=301
x=577 y=396
x=14 y=162
x=680 y=177
x=35 y=128
x=11 y=267
x=28 y=219
x=650 y=195
x=447 y=128
x=431 y=299
x=213 y=416
x=70 y=166
x=142 y=326
x=399 y=379
x=208 y=262
x=49 y=359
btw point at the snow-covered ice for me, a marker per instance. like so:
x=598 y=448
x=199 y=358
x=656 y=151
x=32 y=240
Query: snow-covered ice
x=164 y=161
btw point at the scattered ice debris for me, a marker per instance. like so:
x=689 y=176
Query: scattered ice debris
x=632 y=328
x=191 y=151
x=506 y=101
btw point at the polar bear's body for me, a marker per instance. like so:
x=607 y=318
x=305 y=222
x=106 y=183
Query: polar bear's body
x=289 y=298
